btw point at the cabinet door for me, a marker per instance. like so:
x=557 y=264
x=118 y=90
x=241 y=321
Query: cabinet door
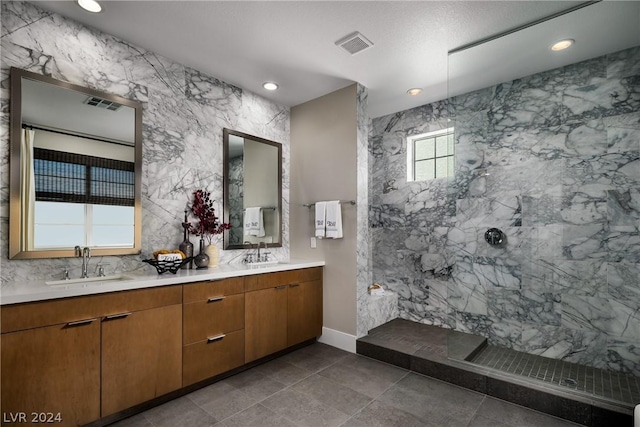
x=304 y=308
x=141 y=356
x=53 y=369
x=265 y=322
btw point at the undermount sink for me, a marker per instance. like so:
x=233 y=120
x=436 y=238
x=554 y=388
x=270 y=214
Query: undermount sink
x=262 y=263
x=93 y=281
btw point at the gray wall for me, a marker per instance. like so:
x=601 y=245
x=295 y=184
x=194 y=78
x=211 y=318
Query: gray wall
x=554 y=161
x=323 y=159
x=184 y=114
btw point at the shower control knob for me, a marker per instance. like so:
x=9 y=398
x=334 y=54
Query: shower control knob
x=494 y=237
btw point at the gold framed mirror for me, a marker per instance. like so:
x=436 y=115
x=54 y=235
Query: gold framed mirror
x=75 y=170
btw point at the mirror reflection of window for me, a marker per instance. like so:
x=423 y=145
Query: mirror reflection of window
x=78 y=152
x=82 y=198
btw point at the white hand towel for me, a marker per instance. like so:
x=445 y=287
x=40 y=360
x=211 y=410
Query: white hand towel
x=334 y=220
x=320 y=218
x=253 y=222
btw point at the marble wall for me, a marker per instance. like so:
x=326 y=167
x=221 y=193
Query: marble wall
x=553 y=160
x=185 y=111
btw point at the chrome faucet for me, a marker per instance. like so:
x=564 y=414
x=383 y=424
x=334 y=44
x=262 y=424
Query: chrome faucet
x=100 y=270
x=85 y=253
x=265 y=252
x=249 y=257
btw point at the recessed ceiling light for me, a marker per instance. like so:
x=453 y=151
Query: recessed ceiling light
x=270 y=85
x=415 y=91
x=562 y=45
x=90 y=5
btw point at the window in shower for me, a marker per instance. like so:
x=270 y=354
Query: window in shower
x=430 y=155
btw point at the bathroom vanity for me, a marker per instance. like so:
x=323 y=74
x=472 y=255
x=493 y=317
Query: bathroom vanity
x=79 y=353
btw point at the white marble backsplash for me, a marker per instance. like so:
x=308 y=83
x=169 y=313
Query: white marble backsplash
x=553 y=160
x=184 y=113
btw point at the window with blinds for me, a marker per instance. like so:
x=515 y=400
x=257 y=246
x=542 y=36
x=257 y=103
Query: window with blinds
x=82 y=200
x=77 y=178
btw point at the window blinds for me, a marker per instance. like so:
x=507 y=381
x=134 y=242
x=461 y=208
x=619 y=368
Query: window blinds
x=78 y=178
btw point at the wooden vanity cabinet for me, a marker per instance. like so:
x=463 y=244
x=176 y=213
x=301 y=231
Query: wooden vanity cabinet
x=304 y=311
x=93 y=356
x=213 y=328
x=141 y=356
x=52 y=370
x=266 y=322
x=282 y=309
x=90 y=356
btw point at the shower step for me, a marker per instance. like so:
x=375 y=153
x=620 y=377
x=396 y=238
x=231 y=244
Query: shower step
x=447 y=355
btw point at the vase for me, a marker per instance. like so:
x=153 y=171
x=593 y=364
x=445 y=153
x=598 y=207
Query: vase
x=202 y=259
x=214 y=255
x=186 y=246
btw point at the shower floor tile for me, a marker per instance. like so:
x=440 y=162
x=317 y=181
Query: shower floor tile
x=598 y=398
x=598 y=382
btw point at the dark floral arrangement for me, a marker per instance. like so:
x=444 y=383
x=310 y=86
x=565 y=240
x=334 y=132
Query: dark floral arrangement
x=208 y=223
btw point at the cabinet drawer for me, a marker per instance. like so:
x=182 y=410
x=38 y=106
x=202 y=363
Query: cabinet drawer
x=202 y=291
x=218 y=315
x=52 y=312
x=270 y=280
x=309 y=274
x=206 y=359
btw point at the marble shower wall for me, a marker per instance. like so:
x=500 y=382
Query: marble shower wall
x=553 y=160
x=184 y=114
x=236 y=200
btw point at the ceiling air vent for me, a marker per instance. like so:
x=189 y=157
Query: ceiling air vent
x=354 y=43
x=102 y=103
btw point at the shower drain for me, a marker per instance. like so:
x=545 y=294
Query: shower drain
x=568 y=382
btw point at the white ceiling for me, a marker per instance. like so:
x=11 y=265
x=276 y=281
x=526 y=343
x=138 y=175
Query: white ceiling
x=292 y=43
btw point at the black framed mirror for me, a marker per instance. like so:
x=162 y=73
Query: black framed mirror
x=75 y=169
x=252 y=190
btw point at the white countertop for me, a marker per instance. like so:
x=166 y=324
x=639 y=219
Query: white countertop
x=12 y=293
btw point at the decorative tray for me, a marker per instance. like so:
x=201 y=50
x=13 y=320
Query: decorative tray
x=169 y=265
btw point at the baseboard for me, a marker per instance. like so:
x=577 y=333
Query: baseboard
x=338 y=339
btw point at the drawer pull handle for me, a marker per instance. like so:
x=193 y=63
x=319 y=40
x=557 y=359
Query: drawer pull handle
x=293 y=285
x=117 y=316
x=215 y=299
x=79 y=323
x=281 y=287
x=216 y=338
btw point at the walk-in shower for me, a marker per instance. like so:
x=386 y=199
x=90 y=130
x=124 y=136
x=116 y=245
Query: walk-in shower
x=552 y=155
x=547 y=150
